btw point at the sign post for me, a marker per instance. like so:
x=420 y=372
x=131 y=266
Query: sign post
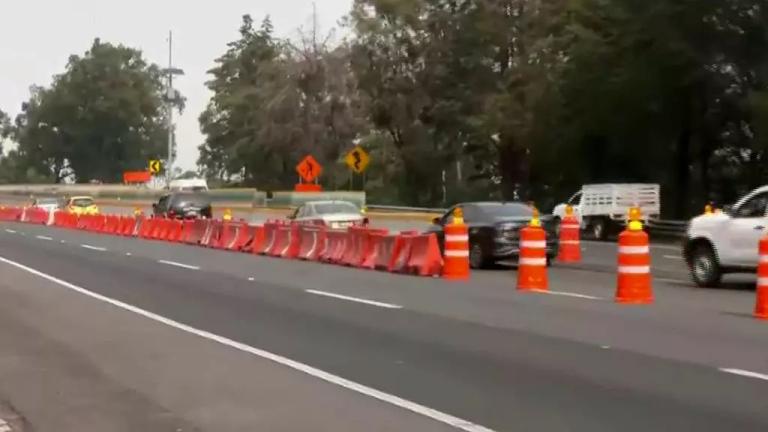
x=357 y=160
x=309 y=171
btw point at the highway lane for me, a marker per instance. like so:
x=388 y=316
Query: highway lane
x=477 y=350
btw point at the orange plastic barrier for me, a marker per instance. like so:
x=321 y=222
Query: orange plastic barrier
x=335 y=246
x=243 y=237
x=761 y=302
x=197 y=231
x=634 y=273
x=383 y=248
x=35 y=216
x=288 y=236
x=570 y=244
x=270 y=237
x=146 y=227
x=256 y=244
x=312 y=239
x=175 y=230
x=10 y=214
x=212 y=236
x=401 y=252
x=228 y=235
x=532 y=264
x=425 y=258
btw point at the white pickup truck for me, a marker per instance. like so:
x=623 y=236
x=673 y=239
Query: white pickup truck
x=602 y=208
x=727 y=241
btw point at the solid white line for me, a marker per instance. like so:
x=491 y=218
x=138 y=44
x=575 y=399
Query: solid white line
x=568 y=294
x=355 y=299
x=96 y=248
x=178 y=264
x=439 y=416
x=673 y=257
x=10 y=231
x=745 y=373
x=44 y=238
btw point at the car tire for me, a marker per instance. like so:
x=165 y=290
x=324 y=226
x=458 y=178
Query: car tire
x=477 y=258
x=705 y=269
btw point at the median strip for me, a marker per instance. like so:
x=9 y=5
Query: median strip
x=96 y=248
x=355 y=299
x=178 y=264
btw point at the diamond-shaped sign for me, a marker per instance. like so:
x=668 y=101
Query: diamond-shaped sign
x=357 y=159
x=309 y=169
x=155 y=166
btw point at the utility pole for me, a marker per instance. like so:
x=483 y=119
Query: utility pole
x=170 y=98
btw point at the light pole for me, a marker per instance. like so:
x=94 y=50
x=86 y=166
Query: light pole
x=170 y=97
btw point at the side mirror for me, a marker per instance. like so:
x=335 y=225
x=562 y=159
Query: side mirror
x=436 y=221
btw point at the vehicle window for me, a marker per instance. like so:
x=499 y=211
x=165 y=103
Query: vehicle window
x=336 y=207
x=82 y=202
x=754 y=207
x=447 y=218
x=295 y=213
x=505 y=210
x=575 y=200
x=301 y=211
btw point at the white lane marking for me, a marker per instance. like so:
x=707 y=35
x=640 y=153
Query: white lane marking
x=674 y=281
x=439 y=416
x=251 y=279
x=10 y=231
x=673 y=257
x=745 y=373
x=96 y=248
x=568 y=294
x=178 y=264
x=127 y=254
x=355 y=299
x=605 y=346
x=63 y=241
x=41 y=237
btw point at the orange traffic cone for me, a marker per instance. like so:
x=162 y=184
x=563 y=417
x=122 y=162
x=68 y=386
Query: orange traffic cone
x=634 y=277
x=761 y=305
x=570 y=246
x=532 y=264
x=456 y=259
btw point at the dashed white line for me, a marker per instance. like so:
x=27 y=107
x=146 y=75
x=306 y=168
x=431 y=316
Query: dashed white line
x=439 y=416
x=96 y=248
x=63 y=241
x=673 y=257
x=568 y=294
x=251 y=279
x=745 y=373
x=354 y=299
x=42 y=237
x=10 y=231
x=178 y=264
x=127 y=254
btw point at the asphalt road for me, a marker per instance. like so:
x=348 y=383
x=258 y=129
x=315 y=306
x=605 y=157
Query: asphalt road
x=144 y=335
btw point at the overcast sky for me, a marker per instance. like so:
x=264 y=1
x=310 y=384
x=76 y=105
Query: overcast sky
x=37 y=37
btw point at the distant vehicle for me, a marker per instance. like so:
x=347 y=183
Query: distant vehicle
x=602 y=208
x=81 y=205
x=494 y=230
x=726 y=241
x=189 y=185
x=47 y=204
x=183 y=205
x=333 y=214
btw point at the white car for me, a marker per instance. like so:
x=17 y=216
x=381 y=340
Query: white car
x=333 y=214
x=47 y=204
x=727 y=241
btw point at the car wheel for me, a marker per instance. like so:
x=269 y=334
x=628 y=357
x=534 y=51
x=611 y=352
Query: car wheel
x=705 y=270
x=598 y=229
x=476 y=256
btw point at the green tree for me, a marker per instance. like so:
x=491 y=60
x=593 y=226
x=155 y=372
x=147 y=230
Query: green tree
x=103 y=115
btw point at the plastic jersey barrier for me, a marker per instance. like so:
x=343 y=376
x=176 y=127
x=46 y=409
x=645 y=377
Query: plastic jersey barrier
x=312 y=242
x=425 y=258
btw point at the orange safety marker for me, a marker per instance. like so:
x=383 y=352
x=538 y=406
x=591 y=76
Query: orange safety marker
x=532 y=264
x=570 y=246
x=634 y=273
x=227 y=217
x=456 y=256
x=761 y=303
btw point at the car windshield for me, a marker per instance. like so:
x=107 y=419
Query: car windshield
x=46 y=201
x=336 y=207
x=505 y=210
x=82 y=202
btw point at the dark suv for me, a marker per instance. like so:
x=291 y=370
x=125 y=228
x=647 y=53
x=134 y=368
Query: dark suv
x=183 y=205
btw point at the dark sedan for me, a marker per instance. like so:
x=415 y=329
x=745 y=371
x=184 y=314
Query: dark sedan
x=494 y=230
x=183 y=205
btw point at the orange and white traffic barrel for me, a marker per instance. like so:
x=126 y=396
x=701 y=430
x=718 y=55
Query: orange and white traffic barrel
x=456 y=255
x=532 y=263
x=570 y=245
x=761 y=303
x=634 y=272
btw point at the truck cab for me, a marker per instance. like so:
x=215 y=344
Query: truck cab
x=726 y=241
